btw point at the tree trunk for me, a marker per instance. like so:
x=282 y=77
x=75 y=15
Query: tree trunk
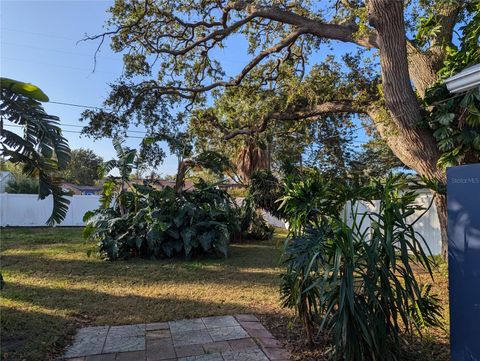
x=441 y=204
x=414 y=146
x=422 y=69
x=407 y=153
x=180 y=178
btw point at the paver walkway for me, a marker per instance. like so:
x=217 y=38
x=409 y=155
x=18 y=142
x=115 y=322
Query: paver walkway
x=223 y=338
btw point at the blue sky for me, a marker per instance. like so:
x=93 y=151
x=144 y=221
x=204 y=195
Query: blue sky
x=39 y=45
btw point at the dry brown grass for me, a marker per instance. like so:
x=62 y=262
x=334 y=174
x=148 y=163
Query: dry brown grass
x=53 y=287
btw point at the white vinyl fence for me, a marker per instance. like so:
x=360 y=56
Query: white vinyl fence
x=428 y=226
x=25 y=210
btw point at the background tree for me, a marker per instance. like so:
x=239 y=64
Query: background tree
x=22 y=185
x=42 y=150
x=83 y=168
x=172 y=58
x=181 y=145
x=375 y=159
x=322 y=142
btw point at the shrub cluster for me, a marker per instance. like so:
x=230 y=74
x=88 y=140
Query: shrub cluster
x=252 y=223
x=22 y=185
x=146 y=222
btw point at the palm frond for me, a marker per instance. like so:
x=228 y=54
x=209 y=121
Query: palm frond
x=42 y=149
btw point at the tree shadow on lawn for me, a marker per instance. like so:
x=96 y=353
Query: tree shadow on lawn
x=33 y=335
x=54 y=313
x=247 y=269
x=141 y=271
x=42 y=332
x=232 y=285
x=52 y=288
x=107 y=308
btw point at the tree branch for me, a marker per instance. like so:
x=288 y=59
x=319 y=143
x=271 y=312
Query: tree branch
x=345 y=33
x=183 y=91
x=181 y=43
x=331 y=107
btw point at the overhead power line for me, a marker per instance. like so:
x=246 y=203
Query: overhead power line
x=80 y=105
x=82 y=126
x=145 y=133
x=140 y=132
x=132 y=131
x=71 y=131
x=57 y=65
x=90 y=55
x=38 y=34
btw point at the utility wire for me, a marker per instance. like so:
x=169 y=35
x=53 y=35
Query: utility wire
x=140 y=132
x=69 y=131
x=82 y=126
x=132 y=131
x=144 y=132
x=39 y=34
x=57 y=65
x=80 y=106
x=55 y=50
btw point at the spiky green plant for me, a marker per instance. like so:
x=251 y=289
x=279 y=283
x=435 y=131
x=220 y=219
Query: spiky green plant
x=356 y=281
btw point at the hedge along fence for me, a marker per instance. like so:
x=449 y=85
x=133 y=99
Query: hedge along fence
x=26 y=210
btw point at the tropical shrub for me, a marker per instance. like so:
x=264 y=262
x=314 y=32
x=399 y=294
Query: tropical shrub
x=356 y=282
x=265 y=190
x=22 y=185
x=141 y=221
x=164 y=223
x=307 y=200
x=252 y=223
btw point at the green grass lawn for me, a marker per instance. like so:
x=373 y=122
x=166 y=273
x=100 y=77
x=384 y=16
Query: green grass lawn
x=53 y=287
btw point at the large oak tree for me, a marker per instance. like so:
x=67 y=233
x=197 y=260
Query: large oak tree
x=171 y=53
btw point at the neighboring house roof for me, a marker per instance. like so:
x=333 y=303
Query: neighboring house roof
x=88 y=188
x=82 y=189
x=190 y=185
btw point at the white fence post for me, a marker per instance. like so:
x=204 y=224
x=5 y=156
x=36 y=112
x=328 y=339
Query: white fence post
x=3 y=208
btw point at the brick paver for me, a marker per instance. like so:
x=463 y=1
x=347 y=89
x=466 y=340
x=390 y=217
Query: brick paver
x=221 y=338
